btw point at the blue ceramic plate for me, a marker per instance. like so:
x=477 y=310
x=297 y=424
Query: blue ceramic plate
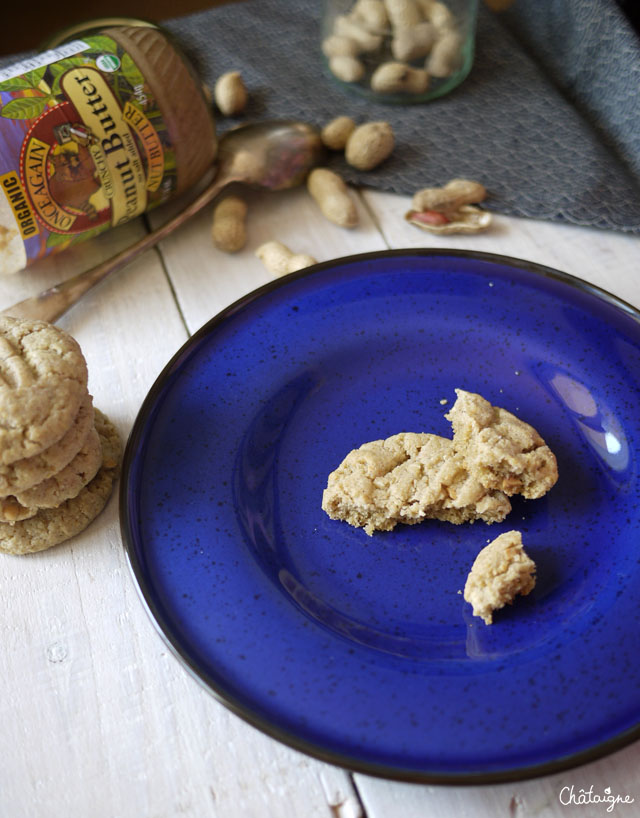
x=361 y=650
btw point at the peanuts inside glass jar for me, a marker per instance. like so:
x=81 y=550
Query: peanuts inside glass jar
x=399 y=51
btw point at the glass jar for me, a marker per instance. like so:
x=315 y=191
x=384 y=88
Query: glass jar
x=107 y=123
x=399 y=51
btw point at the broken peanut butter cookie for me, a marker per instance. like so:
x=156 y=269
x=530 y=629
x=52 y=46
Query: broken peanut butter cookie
x=414 y=476
x=407 y=478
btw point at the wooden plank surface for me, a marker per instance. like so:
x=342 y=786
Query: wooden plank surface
x=548 y=797
x=98 y=717
x=206 y=280
x=604 y=258
x=93 y=701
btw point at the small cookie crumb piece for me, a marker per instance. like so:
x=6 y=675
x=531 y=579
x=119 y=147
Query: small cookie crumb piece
x=500 y=571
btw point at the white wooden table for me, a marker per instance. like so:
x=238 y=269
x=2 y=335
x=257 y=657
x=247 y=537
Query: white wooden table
x=97 y=718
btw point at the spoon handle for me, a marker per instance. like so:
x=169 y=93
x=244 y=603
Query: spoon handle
x=50 y=304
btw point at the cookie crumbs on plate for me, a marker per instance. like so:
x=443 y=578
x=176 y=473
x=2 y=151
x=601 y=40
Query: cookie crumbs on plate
x=501 y=571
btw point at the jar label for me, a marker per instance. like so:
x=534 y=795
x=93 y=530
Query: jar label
x=83 y=147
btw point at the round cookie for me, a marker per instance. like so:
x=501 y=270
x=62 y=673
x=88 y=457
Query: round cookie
x=23 y=474
x=43 y=381
x=53 y=526
x=68 y=482
x=110 y=440
x=12 y=512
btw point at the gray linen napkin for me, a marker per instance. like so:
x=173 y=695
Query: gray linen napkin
x=548 y=119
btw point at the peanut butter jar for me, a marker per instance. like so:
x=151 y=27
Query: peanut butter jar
x=106 y=124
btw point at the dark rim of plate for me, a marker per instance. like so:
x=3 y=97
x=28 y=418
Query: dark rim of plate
x=226 y=697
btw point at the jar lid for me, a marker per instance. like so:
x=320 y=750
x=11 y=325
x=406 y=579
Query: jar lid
x=95 y=24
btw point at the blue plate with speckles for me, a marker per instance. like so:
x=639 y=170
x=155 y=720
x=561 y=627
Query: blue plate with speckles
x=361 y=650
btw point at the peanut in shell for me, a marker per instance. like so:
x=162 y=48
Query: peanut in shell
x=369 y=145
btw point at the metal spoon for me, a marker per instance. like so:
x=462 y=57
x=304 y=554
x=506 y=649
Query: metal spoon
x=274 y=155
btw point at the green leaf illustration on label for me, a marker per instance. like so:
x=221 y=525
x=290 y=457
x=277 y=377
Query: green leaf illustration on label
x=58 y=239
x=69 y=62
x=100 y=43
x=59 y=68
x=131 y=72
x=169 y=160
x=34 y=77
x=15 y=84
x=25 y=108
x=89 y=234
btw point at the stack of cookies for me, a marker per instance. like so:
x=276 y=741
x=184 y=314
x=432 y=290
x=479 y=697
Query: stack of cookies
x=59 y=457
